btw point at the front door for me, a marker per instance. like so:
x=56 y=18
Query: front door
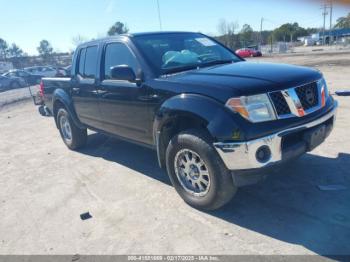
x=125 y=109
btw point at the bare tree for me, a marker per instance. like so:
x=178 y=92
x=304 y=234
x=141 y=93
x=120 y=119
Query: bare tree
x=227 y=32
x=79 y=39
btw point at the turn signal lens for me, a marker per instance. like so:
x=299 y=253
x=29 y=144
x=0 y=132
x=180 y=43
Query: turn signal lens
x=323 y=97
x=324 y=91
x=237 y=106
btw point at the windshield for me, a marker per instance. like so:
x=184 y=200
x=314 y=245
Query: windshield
x=169 y=53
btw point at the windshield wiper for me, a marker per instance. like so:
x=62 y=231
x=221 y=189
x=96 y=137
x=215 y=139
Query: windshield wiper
x=195 y=66
x=180 y=69
x=217 y=62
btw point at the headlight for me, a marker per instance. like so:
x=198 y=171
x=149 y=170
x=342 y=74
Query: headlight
x=256 y=108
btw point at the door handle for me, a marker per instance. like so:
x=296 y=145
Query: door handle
x=149 y=97
x=76 y=89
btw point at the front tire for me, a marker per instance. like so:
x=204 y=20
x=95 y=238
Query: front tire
x=72 y=136
x=197 y=172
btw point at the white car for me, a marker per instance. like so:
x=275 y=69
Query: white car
x=45 y=71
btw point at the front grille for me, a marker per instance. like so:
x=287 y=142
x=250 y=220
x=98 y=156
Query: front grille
x=280 y=103
x=308 y=95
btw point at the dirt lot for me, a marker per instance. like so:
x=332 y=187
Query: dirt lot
x=45 y=187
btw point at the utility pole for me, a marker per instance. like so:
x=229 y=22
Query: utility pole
x=159 y=17
x=261 y=26
x=324 y=24
x=330 y=22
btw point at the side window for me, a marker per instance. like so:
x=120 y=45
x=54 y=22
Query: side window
x=81 y=62
x=22 y=74
x=91 y=62
x=118 y=54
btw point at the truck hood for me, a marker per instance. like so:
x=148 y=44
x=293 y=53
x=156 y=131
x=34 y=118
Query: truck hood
x=242 y=78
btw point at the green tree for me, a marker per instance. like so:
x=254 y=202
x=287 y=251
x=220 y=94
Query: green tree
x=45 y=50
x=117 y=29
x=289 y=32
x=343 y=22
x=246 y=33
x=15 y=51
x=3 y=49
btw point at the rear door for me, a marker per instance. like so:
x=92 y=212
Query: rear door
x=84 y=93
x=125 y=109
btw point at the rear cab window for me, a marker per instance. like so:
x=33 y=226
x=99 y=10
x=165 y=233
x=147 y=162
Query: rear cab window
x=81 y=62
x=88 y=62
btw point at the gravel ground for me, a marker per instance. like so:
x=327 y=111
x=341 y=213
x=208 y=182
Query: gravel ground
x=45 y=187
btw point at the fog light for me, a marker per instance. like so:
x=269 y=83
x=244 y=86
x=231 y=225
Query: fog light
x=263 y=154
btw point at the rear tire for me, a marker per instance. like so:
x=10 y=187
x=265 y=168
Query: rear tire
x=200 y=177
x=72 y=136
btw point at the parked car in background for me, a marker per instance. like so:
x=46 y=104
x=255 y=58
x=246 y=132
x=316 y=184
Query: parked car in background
x=45 y=71
x=5 y=66
x=28 y=78
x=10 y=83
x=68 y=70
x=248 y=52
x=61 y=72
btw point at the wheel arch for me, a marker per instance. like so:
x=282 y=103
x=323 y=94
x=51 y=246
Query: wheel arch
x=190 y=111
x=62 y=99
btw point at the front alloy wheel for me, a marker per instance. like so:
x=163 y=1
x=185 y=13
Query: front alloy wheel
x=192 y=172
x=197 y=172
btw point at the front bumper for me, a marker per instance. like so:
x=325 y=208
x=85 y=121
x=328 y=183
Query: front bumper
x=243 y=155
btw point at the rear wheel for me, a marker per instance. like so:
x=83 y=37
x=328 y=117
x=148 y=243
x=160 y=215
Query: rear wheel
x=72 y=136
x=197 y=172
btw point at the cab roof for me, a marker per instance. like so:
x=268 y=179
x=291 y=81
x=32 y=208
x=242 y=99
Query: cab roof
x=129 y=35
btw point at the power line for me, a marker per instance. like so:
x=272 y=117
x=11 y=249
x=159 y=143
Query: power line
x=330 y=21
x=159 y=17
x=324 y=22
x=261 y=27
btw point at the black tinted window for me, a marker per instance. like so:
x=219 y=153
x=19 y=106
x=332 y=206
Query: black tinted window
x=91 y=62
x=118 y=54
x=82 y=62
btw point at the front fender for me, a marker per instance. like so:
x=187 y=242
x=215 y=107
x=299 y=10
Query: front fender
x=62 y=96
x=220 y=122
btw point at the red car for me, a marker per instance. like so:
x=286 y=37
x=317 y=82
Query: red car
x=248 y=52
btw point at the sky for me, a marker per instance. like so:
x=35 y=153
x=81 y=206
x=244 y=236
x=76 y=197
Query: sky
x=27 y=22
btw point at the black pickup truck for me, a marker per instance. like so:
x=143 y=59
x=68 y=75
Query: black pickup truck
x=216 y=121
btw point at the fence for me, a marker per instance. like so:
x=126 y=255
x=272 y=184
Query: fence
x=298 y=47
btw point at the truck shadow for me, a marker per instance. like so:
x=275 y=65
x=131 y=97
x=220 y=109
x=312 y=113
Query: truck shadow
x=141 y=159
x=288 y=205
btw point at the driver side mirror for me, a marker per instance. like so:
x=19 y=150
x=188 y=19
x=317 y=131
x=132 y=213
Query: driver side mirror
x=123 y=72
